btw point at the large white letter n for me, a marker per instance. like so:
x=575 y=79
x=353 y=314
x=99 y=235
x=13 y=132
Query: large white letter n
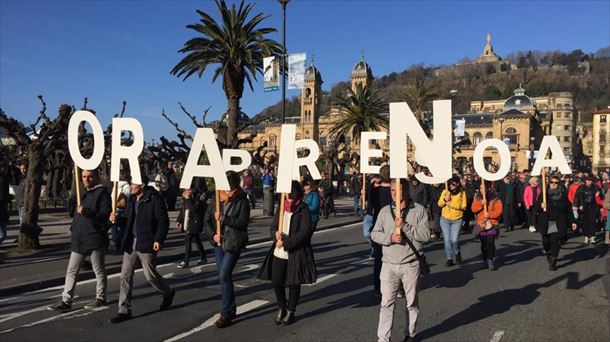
x=435 y=153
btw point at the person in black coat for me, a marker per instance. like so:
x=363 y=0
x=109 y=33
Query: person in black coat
x=290 y=261
x=89 y=236
x=190 y=220
x=588 y=209
x=554 y=219
x=147 y=224
x=4 y=199
x=234 y=217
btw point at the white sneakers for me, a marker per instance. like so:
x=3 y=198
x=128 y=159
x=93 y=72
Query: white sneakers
x=586 y=239
x=592 y=239
x=532 y=229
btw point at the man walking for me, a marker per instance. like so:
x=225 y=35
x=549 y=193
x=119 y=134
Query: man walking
x=145 y=231
x=400 y=263
x=356 y=187
x=89 y=237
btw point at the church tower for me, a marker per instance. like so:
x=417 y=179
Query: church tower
x=361 y=75
x=310 y=104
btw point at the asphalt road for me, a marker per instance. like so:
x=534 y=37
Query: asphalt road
x=521 y=301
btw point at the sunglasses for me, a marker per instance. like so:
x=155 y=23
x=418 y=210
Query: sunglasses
x=453 y=184
x=554 y=182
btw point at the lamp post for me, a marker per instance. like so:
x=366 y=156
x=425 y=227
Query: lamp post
x=532 y=140
x=284 y=3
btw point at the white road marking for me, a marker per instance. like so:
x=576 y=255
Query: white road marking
x=72 y=314
x=362 y=262
x=14 y=315
x=321 y=279
x=497 y=336
x=7 y=299
x=210 y=322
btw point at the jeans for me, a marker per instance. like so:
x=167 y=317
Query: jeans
x=367 y=224
x=225 y=263
x=377 y=256
x=356 y=203
x=451 y=232
x=97 y=261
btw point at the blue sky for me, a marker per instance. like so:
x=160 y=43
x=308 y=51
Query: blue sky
x=115 y=50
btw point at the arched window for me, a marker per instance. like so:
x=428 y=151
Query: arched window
x=489 y=135
x=272 y=139
x=511 y=134
x=476 y=138
x=467 y=136
x=308 y=92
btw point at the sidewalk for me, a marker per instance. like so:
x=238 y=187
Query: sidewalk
x=23 y=272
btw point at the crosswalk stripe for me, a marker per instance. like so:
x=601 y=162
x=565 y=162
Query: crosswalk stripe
x=210 y=322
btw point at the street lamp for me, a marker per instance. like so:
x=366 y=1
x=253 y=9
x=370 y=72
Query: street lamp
x=284 y=3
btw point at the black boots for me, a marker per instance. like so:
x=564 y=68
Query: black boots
x=281 y=313
x=552 y=264
x=289 y=319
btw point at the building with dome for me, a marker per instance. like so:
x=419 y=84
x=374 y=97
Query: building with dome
x=521 y=121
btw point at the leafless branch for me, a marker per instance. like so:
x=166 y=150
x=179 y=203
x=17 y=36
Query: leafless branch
x=176 y=126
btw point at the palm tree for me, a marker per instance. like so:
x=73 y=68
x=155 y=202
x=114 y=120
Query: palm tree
x=361 y=111
x=418 y=94
x=236 y=46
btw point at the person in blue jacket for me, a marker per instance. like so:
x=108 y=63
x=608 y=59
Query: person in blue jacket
x=312 y=199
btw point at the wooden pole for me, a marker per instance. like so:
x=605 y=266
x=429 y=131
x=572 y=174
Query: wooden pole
x=398 y=201
x=280 y=226
x=77 y=180
x=484 y=196
x=363 y=192
x=544 y=188
x=114 y=192
x=217 y=211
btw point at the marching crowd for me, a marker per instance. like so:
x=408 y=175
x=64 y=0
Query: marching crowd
x=398 y=218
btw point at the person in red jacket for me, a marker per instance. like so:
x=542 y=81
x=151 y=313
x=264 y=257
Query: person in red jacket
x=488 y=212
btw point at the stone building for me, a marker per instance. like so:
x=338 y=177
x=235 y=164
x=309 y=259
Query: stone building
x=521 y=121
x=601 y=139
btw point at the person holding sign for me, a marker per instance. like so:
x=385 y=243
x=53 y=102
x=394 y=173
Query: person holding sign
x=488 y=208
x=145 y=231
x=401 y=263
x=229 y=241
x=89 y=236
x=453 y=202
x=553 y=220
x=290 y=260
x=190 y=221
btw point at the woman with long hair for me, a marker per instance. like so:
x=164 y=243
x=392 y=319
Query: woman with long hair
x=453 y=203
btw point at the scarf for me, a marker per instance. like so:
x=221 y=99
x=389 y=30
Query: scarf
x=555 y=194
x=291 y=205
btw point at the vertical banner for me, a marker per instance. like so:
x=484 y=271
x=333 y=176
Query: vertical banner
x=271 y=74
x=460 y=126
x=296 y=70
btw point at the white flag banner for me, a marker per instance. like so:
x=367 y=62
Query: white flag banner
x=296 y=70
x=271 y=74
x=460 y=126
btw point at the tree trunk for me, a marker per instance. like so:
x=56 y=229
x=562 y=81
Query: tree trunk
x=29 y=232
x=232 y=117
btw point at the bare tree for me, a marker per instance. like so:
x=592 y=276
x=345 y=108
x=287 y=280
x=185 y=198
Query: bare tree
x=42 y=143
